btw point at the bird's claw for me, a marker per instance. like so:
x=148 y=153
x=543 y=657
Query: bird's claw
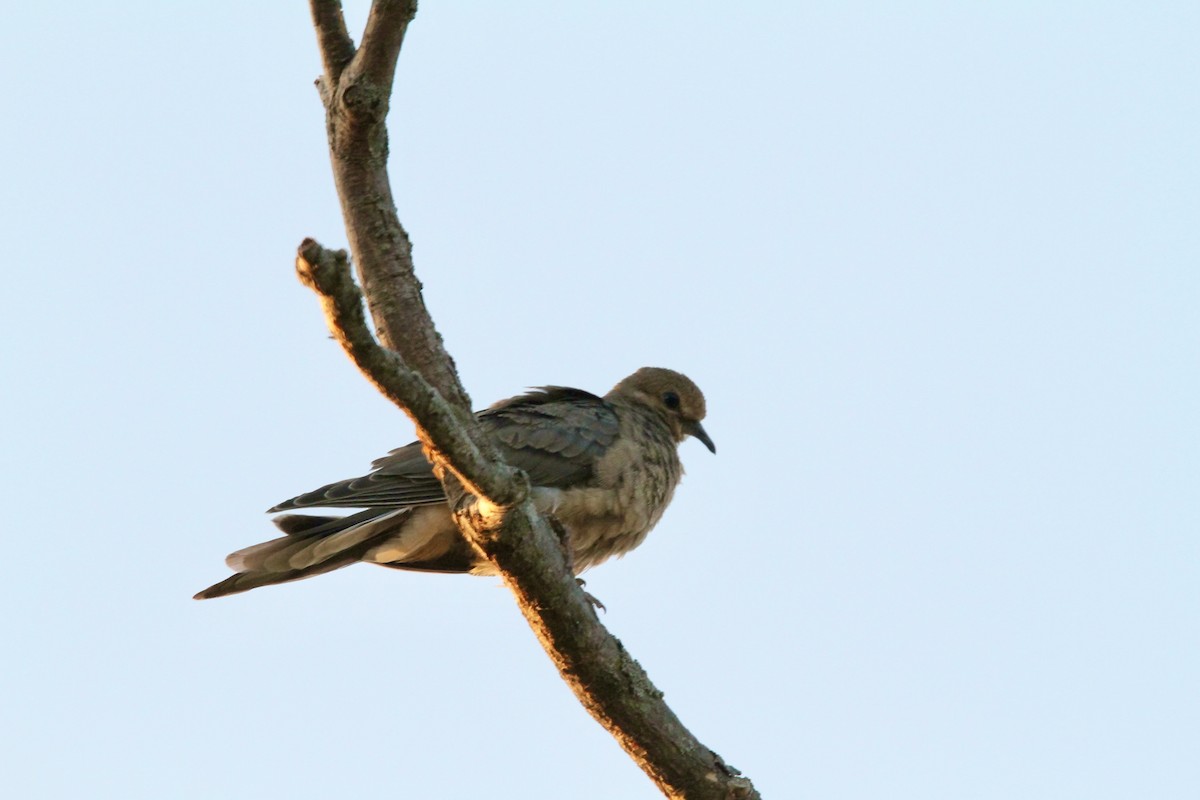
x=590 y=597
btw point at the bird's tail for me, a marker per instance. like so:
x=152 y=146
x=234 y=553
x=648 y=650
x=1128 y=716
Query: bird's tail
x=313 y=545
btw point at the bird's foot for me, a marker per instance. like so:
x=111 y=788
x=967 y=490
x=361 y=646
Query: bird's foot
x=564 y=539
x=590 y=597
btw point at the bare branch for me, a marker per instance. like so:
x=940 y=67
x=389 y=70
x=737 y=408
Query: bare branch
x=610 y=684
x=502 y=525
x=451 y=432
x=337 y=48
x=382 y=38
x=418 y=375
x=355 y=107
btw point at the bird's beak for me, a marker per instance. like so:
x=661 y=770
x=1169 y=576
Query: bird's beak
x=697 y=430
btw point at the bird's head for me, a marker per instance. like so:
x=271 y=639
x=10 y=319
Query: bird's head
x=673 y=395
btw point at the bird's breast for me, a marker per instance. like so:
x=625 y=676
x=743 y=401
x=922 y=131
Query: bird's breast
x=632 y=485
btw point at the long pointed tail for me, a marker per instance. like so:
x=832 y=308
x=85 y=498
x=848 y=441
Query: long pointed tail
x=313 y=545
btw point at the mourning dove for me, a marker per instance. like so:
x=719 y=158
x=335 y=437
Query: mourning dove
x=603 y=468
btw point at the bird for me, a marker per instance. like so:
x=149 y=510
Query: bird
x=603 y=469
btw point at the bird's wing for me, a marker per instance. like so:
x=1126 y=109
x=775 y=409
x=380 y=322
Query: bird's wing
x=401 y=478
x=554 y=434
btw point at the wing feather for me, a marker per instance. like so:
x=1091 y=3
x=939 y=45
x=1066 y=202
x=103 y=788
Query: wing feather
x=555 y=434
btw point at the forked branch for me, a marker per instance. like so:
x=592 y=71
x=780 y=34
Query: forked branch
x=410 y=366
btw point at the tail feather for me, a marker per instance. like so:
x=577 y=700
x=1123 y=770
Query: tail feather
x=297 y=524
x=309 y=525
x=312 y=546
x=245 y=581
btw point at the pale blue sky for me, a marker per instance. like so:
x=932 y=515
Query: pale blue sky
x=937 y=267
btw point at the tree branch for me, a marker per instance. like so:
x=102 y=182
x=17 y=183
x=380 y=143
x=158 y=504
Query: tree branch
x=504 y=527
x=443 y=429
x=418 y=375
x=356 y=104
x=382 y=37
x=334 y=42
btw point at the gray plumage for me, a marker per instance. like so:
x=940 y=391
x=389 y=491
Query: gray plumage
x=604 y=467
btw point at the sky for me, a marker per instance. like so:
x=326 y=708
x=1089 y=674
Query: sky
x=935 y=265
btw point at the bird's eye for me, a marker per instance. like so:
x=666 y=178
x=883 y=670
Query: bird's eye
x=671 y=400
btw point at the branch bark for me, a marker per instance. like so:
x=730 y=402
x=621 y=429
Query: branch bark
x=356 y=93
x=410 y=365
